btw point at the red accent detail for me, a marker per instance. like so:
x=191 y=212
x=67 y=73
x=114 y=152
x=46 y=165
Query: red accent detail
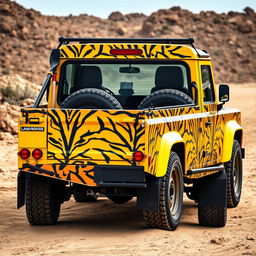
x=126 y=51
x=37 y=153
x=54 y=77
x=24 y=153
x=138 y=156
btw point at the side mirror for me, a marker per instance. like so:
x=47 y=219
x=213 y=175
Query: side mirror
x=223 y=93
x=54 y=59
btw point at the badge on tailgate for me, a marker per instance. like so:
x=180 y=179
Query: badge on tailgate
x=31 y=129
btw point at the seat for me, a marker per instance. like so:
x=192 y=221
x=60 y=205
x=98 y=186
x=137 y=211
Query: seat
x=88 y=77
x=169 y=77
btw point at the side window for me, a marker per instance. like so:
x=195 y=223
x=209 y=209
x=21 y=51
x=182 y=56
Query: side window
x=207 y=84
x=68 y=82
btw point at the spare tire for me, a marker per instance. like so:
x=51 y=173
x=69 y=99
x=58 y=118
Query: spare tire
x=91 y=98
x=165 y=97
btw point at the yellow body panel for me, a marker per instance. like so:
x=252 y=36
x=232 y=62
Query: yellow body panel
x=167 y=142
x=231 y=128
x=88 y=137
x=93 y=136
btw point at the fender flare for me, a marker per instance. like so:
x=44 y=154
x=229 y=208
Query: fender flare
x=229 y=134
x=167 y=142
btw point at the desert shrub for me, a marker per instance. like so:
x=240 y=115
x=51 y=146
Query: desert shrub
x=14 y=95
x=5 y=72
x=216 y=20
x=165 y=27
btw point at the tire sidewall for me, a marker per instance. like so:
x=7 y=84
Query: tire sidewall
x=174 y=166
x=236 y=150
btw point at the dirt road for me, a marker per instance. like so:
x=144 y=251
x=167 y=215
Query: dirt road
x=103 y=228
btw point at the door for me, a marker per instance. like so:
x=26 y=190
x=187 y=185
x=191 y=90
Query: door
x=206 y=155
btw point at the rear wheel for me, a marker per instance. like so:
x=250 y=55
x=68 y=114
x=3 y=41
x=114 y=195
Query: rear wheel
x=171 y=198
x=234 y=171
x=215 y=216
x=42 y=200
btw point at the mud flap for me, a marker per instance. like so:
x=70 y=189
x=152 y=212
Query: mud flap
x=212 y=190
x=21 y=189
x=148 y=198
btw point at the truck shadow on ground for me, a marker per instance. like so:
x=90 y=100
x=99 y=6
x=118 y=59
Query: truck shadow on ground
x=104 y=215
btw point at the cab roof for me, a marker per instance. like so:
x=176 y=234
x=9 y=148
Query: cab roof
x=129 y=48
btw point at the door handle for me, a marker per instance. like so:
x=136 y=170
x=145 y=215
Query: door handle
x=208 y=123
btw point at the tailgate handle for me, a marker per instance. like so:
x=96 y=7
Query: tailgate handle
x=34 y=120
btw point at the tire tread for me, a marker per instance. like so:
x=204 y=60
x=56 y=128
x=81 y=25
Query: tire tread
x=231 y=201
x=40 y=206
x=160 y=219
x=92 y=91
x=177 y=95
x=215 y=216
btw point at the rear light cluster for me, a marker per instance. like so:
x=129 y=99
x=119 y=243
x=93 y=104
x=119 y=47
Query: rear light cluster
x=138 y=156
x=37 y=153
x=126 y=51
x=25 y=153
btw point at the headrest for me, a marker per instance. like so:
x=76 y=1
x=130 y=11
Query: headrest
x=168 y=77
x=88 y=77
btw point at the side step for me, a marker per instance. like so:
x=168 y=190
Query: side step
x=206 y=169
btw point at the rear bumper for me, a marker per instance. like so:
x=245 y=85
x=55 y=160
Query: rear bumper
x=93 y=175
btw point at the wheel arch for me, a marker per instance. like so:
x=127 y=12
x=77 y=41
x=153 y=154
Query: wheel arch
x=233 y=131
x=239 y=136
x=171 y=141
x=179 y=149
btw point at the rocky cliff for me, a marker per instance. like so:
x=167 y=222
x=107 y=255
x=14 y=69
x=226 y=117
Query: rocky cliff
x=27 y=37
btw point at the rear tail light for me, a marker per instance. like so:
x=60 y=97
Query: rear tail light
x=126 y=51
x=37 y=153
x=138 y=156
x=24 y=153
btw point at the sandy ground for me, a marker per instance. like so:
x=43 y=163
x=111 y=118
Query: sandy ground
x=103 y=228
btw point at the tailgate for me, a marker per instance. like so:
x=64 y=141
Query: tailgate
x=94 y=136
x=32 y=134
x=32 y=128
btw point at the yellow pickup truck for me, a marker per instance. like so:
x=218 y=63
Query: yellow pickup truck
x=131 y=118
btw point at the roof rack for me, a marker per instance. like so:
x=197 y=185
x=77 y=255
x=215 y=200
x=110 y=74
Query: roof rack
x=66 y=40
x=87 y=40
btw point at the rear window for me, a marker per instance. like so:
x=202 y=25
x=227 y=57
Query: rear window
x=125 y=80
